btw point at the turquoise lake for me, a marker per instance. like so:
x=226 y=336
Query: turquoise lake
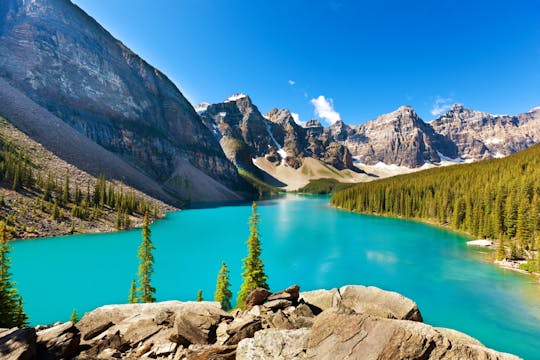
x=305 y=241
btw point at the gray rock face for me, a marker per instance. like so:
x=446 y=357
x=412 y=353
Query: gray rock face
x=67 y=63
x=244 y=133
x=366 y=300
x=399 y=138
x=275 y=344
x=241 y=129
x=18 y=344
x=58 y=342
x=152 y=329
x=479 y=135
x=339 y=333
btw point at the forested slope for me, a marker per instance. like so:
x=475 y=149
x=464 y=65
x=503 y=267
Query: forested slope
x=497 y=199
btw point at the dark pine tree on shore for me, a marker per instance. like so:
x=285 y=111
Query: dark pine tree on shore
x=146 y=264
x=199 y=296
x=253 y=275
x=223 y=294
x=11 y=308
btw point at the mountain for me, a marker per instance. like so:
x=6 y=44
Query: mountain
x=70 y=66
x=479 y=135
x=399 y=138
x=261 y=144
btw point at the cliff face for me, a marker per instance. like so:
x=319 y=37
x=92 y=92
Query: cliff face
x=399 y=137
x=241 y=129
x=245 y=134
x=67 y=63
x=479 y=135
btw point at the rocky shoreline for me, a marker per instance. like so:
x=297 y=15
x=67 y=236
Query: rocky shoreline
x=352 y=322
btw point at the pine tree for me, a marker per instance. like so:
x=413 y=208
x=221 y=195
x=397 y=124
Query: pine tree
x=199 y=296
x=254 y=275
x=146 y=263
x=55 y=211
x=133 y=298
x=223 y=293
x=11 y=308
x=65 y=193
x=501 y=252
x=74 y=316
x=523 y=223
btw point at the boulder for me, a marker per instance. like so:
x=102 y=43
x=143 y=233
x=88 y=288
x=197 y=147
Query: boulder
x=377 y=302
x=58 y=342
x=319 y=300
x=274 y=344
x=197 y=324
x=213 y=352
x=361 y=299
x=95 y=331
x=240 y=328
x=18 y=344
x=277 y=304
x=257 y=297
x=291 y=293
x=149 y=329
x=345 y=334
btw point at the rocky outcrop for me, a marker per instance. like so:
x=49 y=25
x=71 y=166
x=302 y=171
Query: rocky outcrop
x=352 y=322
x=479 y=135
x=69 y=65
x=339 y=333
x=367 y=300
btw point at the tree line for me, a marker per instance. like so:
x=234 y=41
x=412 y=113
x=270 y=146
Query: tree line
x=491 y=199
x=59 y=197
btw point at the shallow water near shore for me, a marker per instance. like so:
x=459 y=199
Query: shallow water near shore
x=305 y=241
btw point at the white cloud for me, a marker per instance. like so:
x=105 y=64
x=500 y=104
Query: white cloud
x=324 y=108
x=296 y=119
x=441 y=105
x=292 y=82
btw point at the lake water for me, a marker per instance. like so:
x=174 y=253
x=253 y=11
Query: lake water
x=305 y=241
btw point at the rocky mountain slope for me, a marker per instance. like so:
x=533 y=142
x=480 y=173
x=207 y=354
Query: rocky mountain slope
x=273 y=147
x=245 y=134
x=353 y=322
x=28 y=214
x=479 y=135
x=65 y=62
x=399 y=138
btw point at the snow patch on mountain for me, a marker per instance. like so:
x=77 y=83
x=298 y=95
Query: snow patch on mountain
x=235 y=97
x=282 y=153
x=202 y=107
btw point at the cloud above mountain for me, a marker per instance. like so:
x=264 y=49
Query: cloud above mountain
x=324 y=109
x=441 y=105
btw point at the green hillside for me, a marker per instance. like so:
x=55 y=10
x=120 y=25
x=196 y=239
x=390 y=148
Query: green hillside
x=496 y=199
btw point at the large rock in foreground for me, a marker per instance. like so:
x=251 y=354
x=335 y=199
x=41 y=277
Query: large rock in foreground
x=352 y=322
x=345 y=334
x=366 y=300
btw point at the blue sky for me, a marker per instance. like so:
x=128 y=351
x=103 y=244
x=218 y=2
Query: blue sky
x=345 y=59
